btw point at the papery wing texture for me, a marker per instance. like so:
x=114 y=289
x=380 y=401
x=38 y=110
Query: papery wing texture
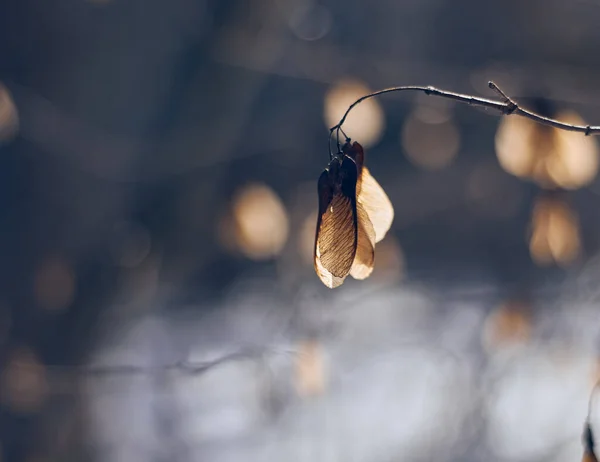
x=372 y=196
x=337 y=224
x=362 y=267
x=376 y=204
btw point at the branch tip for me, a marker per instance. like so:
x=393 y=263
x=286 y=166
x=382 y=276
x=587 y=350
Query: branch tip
x=506 y=106
x=497 y=89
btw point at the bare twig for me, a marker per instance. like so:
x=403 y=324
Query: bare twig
x=588 y=435
x=185 y=367
x=64 y=374
x=506 y=107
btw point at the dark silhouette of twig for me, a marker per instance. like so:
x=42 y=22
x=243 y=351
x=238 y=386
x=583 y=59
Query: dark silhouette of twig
x=589 y=445
x=507 y=106
x=187 y=367
x=61 y=376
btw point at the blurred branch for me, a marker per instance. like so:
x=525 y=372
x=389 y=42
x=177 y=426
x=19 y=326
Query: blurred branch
x=507 y=106
x=190 y=367
x=62 y=377
x=589 y=445
x=186 y=367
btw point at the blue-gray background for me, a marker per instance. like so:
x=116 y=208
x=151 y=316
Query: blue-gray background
x=137 y=124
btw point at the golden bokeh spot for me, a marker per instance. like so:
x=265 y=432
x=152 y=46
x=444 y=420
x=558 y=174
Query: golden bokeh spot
x=575 y=160
x=430 y=138
x=9 y=117
x=507 y=325
x=554 y=233
x=365 y=122
x=548 y=156
x=514 y=146
x=310 y=369
x=260 y=222
x=54 y=284
x=23 y=385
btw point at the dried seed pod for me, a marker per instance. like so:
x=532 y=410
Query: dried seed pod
x=337 y=223
x=354 y=214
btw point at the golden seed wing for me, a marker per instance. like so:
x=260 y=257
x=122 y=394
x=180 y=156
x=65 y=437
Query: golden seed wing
x=326 y=277
x=376 y=204
x=325 y=191
x=337 y=236
x=371 y=194
x=336 y=242
x=337 y=233
x=362 y=267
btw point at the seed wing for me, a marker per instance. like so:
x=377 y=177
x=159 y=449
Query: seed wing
x=337 y=223
x=376 y=204
x=372 y=196
x=362 y=267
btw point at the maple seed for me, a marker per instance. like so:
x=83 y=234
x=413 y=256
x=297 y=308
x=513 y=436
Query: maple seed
x=354 y=214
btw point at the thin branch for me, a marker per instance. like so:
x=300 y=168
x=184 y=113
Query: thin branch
x=182 y=367
x=506 y=106
x=588 y=435
x=185 y=367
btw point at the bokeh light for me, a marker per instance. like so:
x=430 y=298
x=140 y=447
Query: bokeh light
x=310 y=377
x=514 y=146
x=23 y=385
x=575 y=160
x=546 y=155
x=9 y=117
x=260 y=222
x=507 y=326
x=554 y=233
x=54 y=286
x=365 y=123
x=430 y=138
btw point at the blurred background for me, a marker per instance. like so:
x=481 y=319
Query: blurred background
x=158 y=169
